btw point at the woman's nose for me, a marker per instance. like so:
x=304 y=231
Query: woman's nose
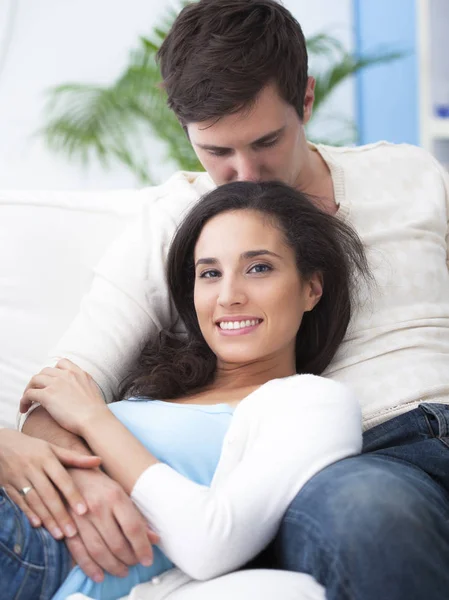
x=231 y=293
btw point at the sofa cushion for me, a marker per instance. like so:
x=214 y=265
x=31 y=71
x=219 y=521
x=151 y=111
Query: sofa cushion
x=50 y=243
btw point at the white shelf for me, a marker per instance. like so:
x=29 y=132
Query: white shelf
x=433 y=60
x=439 y=128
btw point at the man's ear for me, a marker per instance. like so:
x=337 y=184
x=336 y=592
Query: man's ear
x=309 y=98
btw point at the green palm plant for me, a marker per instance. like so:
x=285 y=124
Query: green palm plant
x=114 y=123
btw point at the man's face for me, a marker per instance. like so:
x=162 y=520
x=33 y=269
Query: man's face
x=265 y=143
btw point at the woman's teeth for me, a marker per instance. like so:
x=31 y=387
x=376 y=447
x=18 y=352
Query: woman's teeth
x=238 y=324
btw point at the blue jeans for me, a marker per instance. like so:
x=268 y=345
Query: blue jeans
x=32 y=563
x=376 y=526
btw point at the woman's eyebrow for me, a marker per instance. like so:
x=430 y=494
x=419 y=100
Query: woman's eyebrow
x=245 y=255
x=262 y=252
x=206 y=261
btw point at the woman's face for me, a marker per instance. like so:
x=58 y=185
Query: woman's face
x=249 y=297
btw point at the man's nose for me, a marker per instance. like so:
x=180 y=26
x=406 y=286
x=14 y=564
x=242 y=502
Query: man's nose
x=247 y=169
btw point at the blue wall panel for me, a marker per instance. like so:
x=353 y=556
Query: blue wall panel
x=387 y=95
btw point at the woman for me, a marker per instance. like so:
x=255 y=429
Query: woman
x=238 y=420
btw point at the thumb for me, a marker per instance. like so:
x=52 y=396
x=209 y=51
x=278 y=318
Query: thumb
x=75 y=459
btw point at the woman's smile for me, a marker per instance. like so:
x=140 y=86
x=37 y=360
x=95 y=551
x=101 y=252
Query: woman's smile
x=238 y=325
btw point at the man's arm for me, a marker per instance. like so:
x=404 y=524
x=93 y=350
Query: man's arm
x=40 y=424
x=114 y=323
x=127 y=304
x=105 y=338
x=115 y=319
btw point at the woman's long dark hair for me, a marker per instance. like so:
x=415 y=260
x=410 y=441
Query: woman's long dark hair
x=171 y=367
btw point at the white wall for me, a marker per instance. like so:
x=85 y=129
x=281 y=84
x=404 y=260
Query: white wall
x=58 y=41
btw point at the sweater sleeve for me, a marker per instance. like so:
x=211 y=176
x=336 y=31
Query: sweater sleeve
x=294 y=428
x=117 y=315
x=122 y=309
x=129 y=302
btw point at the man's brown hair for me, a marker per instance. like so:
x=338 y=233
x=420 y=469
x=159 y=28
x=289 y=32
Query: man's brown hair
x=219 y=54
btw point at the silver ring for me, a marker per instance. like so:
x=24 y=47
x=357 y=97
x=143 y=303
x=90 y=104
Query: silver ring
x=24 y=491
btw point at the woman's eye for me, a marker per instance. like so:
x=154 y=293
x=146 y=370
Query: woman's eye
x=260 y=269
x=212 y=274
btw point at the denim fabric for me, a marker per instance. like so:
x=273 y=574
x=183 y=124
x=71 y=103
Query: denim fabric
x=376 y=526
x=32 y=563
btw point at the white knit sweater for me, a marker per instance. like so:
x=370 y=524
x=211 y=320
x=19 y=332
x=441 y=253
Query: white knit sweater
x=396 y=352
x=280 y=436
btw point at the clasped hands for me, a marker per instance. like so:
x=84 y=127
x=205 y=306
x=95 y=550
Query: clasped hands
x=71 y=497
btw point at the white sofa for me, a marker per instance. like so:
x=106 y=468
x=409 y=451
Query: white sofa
x=50 y=243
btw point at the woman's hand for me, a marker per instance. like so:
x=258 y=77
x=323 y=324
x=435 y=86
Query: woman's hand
x=30 y=463
x=68 y=393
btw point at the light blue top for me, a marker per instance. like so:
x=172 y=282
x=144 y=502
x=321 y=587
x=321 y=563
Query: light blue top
x=187 y=437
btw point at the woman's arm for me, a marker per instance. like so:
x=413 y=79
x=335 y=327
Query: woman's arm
x=305 y=424
x=286 y=432
x=126 y=458
x=73 y=399
x=299 y=426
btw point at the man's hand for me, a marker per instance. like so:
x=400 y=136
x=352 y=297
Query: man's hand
x=112 y=534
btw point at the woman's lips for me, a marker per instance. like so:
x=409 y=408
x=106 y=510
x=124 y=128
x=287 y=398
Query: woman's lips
x=240 y=327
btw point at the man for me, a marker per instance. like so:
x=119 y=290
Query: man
x=373 y=526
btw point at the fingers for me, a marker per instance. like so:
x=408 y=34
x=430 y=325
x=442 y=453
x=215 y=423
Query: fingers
x=25 y=401
x=70 y=458
x=153 y=537
x=25 y=405
x=37 y=382
x=136 y=531
x=66 y=486
x=33 y=391
x=45 y=501
x=34 y=502
x=67 y=365
x=40 y=468
x=83 y=559
x=99 y=553
x=32 y=395
x=20 y=502
x=115 y=539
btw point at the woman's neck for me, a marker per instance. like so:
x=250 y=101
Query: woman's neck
x=233 y=382
x=236 y=376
